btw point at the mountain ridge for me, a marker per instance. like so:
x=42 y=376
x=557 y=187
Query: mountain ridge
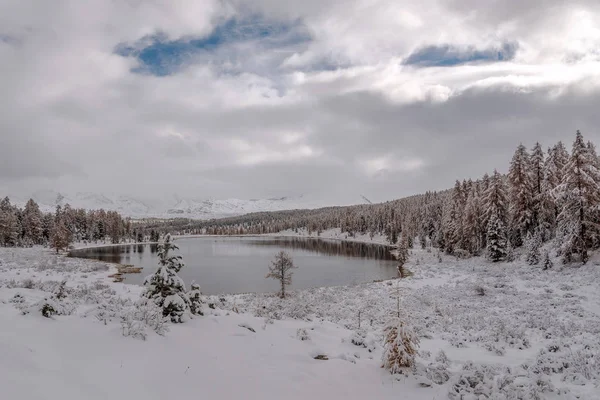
x=172 y=207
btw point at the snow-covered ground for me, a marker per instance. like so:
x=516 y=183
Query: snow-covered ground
x=498 y=330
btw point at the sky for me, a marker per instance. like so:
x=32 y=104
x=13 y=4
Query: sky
x=260 y=98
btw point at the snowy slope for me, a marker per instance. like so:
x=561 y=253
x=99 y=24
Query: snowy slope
x=172 y=206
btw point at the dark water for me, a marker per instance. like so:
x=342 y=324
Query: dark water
x=239 y=264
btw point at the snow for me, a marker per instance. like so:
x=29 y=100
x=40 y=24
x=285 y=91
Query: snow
x=532 y=334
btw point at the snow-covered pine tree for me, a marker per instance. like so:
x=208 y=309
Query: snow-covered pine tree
x=494 y=202
x=548 y=208
x=594 y=234
x=281 y=270
x=60 y=238
x=496 y=239
x=473 y=221
x=533 y=245
x=402 y=253
x=579 y=195
x=520 y=194
x=195 y=296
x=32 y=222
x=165 y=288
x=452 y=219
x=9 y=224
x=537 y=179
x=400 y=346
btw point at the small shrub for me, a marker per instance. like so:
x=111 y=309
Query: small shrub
x=28 y=283
x=479 y=289
x=302 y=334
x=151 y=315
x=47 y=309
x=462 y=254
x=130 y=327
x=437 y=373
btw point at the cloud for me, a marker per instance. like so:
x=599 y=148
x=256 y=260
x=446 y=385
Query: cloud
x=159 y=55
x=447 y=55
x=268 y=98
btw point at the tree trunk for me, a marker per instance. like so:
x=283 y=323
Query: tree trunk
x=282 y=281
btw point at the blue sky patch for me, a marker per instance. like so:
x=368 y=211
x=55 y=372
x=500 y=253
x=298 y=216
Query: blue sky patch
x=449 y=55
x=160 y=56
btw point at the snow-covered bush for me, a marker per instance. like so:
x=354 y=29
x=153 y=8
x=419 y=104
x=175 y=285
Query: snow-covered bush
x=461 y=254
x=130 y=327
x=400 y=346
x=302 y=334
x=480 y=381
x=195 y=296
x=442 y=358
x=437 y=373
x=56 y=304
x=152 y=316
x=165 y=288
x=358 y=339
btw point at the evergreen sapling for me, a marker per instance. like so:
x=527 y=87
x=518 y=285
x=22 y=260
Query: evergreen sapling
x=165 y=288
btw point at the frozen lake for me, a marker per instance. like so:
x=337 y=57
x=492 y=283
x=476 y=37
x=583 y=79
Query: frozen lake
x=240 y=264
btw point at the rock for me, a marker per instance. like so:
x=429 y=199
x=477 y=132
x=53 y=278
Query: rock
x=321 y=357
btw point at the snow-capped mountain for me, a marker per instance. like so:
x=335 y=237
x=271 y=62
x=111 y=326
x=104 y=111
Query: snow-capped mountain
x=211 y=208
x=171 y=207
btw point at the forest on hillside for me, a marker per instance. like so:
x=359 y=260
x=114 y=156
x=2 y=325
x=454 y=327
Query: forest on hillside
x=546 y=195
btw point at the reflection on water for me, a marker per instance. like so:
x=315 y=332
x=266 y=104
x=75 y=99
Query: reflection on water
x=329 y=247
x=239 y=264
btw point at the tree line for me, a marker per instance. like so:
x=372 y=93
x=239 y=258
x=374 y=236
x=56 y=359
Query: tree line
x=27 y=226
x=546 y=195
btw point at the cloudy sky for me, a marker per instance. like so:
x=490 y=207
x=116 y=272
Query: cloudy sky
x=260 y=98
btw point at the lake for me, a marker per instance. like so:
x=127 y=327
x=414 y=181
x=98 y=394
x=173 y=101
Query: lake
x=240 y=264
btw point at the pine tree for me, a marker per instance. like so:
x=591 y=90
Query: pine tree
x=548 y=208
x=61 y=236
x=9 y=227
x=165 y=288
x=400 y=346
x=195 y=296
x=520 y=193
x=494 y=202
x=402 y=253
x=473 y=221
x=533 y=244
x=453 y=220
x=32 y=223
x=579 y=194
x=537 y=179
x=496 y=239
x=281 y=270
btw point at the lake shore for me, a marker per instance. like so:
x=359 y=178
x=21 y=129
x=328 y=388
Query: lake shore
x=237 y=264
